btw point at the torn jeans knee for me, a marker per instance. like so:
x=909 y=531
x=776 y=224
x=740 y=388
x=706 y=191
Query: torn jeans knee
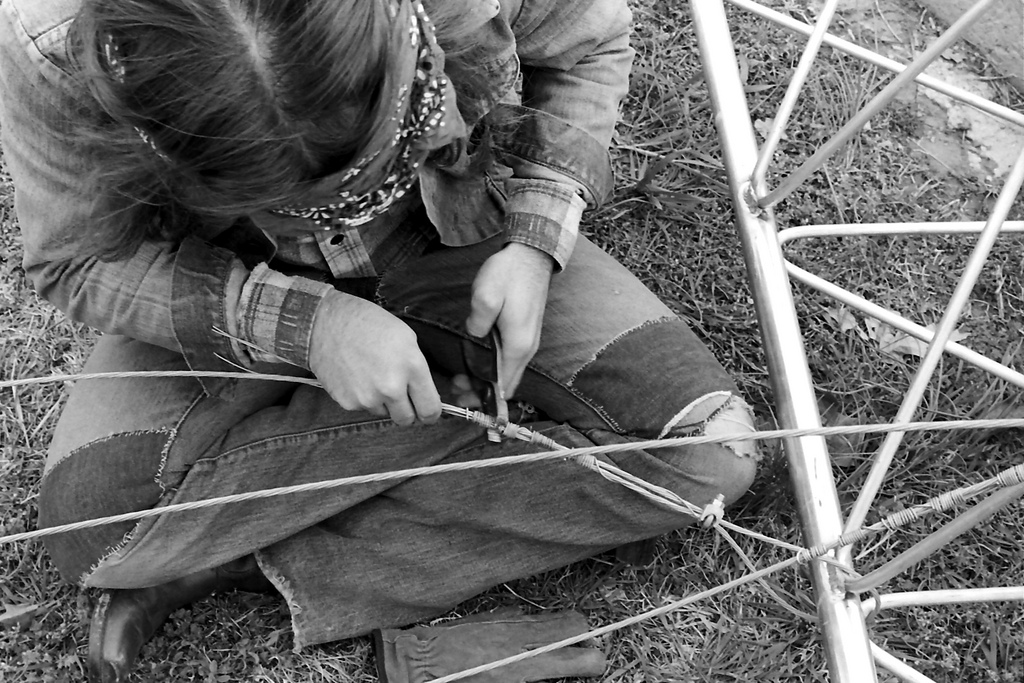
x=720 y=414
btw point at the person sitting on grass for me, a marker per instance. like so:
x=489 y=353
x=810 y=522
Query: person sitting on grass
x=369 y=193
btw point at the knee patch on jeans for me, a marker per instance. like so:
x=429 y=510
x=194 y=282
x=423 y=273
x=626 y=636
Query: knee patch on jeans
x=639 y=380
x=721 y=413
x=107 y=477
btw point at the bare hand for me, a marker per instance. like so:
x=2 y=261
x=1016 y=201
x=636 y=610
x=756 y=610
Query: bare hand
x=511 y=291
x=367 y=359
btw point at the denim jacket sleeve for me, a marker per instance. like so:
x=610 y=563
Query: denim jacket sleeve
x=576 y=59
x=170 y=295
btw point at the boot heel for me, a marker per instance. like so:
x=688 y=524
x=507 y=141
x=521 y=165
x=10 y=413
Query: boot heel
x=124 y=620
x=99 y=668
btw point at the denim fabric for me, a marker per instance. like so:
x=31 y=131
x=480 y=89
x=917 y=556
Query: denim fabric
x=614 y=364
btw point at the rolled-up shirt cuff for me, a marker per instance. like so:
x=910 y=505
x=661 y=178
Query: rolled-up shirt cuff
x=275 y=316
x=544 y=214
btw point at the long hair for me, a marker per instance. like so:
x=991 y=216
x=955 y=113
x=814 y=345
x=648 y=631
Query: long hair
x=205 y=110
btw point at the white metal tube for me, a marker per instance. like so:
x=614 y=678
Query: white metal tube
x=947 y=323
x=854 y=50
x=878 y=229
x=803 y=68
x=942 y=536
x=888 y=93
x=959 y=596
x=844 y=635
x=903 y=325
x=898 y=667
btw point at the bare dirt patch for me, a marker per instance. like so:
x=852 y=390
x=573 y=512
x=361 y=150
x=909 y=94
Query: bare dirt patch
x=958 y=138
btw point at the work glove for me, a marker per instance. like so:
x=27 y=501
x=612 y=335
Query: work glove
x=425 y=653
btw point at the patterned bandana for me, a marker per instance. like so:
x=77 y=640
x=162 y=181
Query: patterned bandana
x=421 y=109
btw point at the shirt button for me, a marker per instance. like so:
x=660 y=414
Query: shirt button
x=337 y=239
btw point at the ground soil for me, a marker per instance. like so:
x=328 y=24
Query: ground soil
x=959 y=139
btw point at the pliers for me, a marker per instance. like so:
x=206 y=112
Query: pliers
x=497 y=406
x=485 y=369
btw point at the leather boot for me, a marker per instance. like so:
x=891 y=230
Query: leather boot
x=638 y=553
x=125 y=619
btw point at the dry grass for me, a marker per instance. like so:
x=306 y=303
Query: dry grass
x=671 y=223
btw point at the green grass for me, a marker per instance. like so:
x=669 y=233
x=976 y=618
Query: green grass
x=671 y=223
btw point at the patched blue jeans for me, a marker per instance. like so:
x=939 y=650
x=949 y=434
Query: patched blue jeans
x=614 y=364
